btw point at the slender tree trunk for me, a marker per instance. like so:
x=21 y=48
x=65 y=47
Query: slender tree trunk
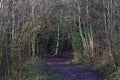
x=80 y=27
x=34 y=33
x=58 y=37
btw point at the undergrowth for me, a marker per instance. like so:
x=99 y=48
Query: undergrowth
x=30 y=72
x=36 y=71
x=115 y=75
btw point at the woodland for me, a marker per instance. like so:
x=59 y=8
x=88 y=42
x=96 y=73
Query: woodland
x=32 y=31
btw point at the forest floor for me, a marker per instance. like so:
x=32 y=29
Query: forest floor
x=68 y=71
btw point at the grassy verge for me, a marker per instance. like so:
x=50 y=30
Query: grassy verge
x=36 y=71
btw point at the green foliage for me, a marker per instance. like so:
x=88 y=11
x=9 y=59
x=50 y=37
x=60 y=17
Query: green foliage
x=78 y=45
x=14 y=75
x=2 y=53
x=36 y=71
x=30 y=72
x=99 y=62
x=115 y=75
x=55 y=76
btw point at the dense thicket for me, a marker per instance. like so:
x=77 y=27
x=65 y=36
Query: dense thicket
x=29 y=27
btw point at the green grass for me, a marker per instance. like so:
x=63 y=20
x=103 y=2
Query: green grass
x=115 y=75
x=30 y=72
x=54 y=76
x=35 y=71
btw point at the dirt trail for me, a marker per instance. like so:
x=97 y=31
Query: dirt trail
x=71 y=71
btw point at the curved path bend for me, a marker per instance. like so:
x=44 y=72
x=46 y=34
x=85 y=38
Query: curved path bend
x=71 y=71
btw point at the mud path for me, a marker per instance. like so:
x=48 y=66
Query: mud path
x=69 y=71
